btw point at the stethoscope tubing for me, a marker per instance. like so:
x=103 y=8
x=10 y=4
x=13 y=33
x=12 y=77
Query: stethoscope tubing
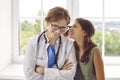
x=37 y=48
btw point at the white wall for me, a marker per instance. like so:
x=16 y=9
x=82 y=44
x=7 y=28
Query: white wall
x=5 y=33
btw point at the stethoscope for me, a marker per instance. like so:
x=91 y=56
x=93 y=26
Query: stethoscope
x=37 y=48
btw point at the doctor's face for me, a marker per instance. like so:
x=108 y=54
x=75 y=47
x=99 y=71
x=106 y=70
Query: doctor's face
x=58 y=27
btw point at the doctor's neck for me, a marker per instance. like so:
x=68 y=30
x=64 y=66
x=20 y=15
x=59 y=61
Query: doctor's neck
x=52 y=38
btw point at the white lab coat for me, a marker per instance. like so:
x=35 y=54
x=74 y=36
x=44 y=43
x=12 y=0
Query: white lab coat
x=66 y=51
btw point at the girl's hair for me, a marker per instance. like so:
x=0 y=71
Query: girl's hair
x=57 y=13
x=78 y=74
x=88 y=27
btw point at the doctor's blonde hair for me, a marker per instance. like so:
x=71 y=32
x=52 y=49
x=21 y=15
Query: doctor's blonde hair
x=57 y=13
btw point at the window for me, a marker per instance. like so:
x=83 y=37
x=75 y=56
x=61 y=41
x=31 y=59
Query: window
x=106 y=21
x=28 y=20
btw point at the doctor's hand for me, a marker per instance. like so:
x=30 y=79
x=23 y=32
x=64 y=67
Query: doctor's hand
x=40 y=70
x=67 y=65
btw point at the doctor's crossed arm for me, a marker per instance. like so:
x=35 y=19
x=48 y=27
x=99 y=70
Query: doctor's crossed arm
x=61 y=73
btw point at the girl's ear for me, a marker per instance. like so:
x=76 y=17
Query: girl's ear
x=84 y=33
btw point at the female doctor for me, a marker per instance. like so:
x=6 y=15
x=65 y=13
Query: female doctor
x=47 y=52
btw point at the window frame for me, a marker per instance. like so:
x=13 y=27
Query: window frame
x=71 y=4
x=108 y=60
x=15 y=33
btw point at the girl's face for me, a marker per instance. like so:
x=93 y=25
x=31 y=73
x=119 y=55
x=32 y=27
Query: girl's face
x=57 y=28
x=76 y=31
